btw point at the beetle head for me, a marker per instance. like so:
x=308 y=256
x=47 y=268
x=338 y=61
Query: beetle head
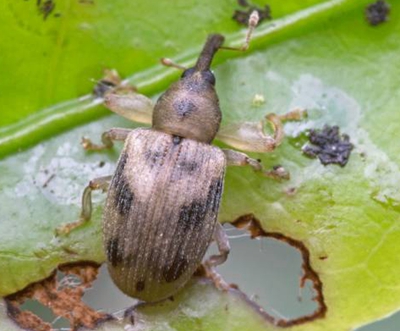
x=190 y=107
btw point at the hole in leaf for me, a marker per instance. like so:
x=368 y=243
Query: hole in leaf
x=275 y=272
x=269 y=272
x=44 y=313
x=390 y=323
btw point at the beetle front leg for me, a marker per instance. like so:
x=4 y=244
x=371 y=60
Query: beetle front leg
x=234 y=158
x=133 y=106
x=101 y=183
x=122 y=98
x=107 y=139
x=250 y=136
x=215 y=260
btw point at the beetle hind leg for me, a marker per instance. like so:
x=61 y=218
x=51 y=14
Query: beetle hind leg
x=101 y=183
x=215 y=260
x=107 y=139
x=235 y=158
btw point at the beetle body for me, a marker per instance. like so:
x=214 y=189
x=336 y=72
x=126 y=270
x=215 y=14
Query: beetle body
x=163 y=201
x=161 y=212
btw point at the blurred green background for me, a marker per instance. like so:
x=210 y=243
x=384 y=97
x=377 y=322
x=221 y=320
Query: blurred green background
x=320 y=55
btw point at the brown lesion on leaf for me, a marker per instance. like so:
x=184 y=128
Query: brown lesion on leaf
x=253 y=225
x=63 y=297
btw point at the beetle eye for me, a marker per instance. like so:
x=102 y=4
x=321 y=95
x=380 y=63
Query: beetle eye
x=209 y=77
x=188 y=72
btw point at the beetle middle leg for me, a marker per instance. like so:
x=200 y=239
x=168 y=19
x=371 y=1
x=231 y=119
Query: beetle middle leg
x=235 y=158
x=100 y=183
x=250 y=136
x=107 y=139
x=215 y=260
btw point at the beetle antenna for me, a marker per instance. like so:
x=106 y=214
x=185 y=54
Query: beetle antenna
x=253 y=21
x=169 y=63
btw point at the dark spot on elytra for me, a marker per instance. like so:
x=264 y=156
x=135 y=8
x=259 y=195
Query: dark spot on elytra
x=140 y=285
x=154 y=157
x=184 y=107
x=178 y=267
x=123 y=194
x=113 y=251
x=215 y=193
x=191 y=216
x=121 y=165
x=188 y=166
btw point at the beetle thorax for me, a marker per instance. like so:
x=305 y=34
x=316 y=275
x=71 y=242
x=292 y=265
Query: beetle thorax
x=189 y=108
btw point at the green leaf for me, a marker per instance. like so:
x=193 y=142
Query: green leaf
x=325 y=58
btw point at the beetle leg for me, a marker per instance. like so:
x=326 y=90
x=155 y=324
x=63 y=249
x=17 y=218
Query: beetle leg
x=122 y=98
x=107 y=139
x=101 y=183
x=234 y=158
x=250 y=136
x=214 y=260
x=131 y=105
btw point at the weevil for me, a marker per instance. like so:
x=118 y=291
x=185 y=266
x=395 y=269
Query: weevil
x=161 y=210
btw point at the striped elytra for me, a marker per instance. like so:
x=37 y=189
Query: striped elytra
x=161 y=211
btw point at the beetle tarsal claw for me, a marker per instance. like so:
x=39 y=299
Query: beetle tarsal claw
x=216 y=278
x=65 y=229
x=88 y=145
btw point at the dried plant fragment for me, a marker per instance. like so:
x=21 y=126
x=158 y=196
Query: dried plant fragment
x=329 y=146
x=46 y=7
x=63 y=297
x=377 y=12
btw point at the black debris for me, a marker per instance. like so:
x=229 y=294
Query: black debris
x=46 y=7
x=242 y=16
x=243 y=3
x=329 y=146
x=377 y=12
